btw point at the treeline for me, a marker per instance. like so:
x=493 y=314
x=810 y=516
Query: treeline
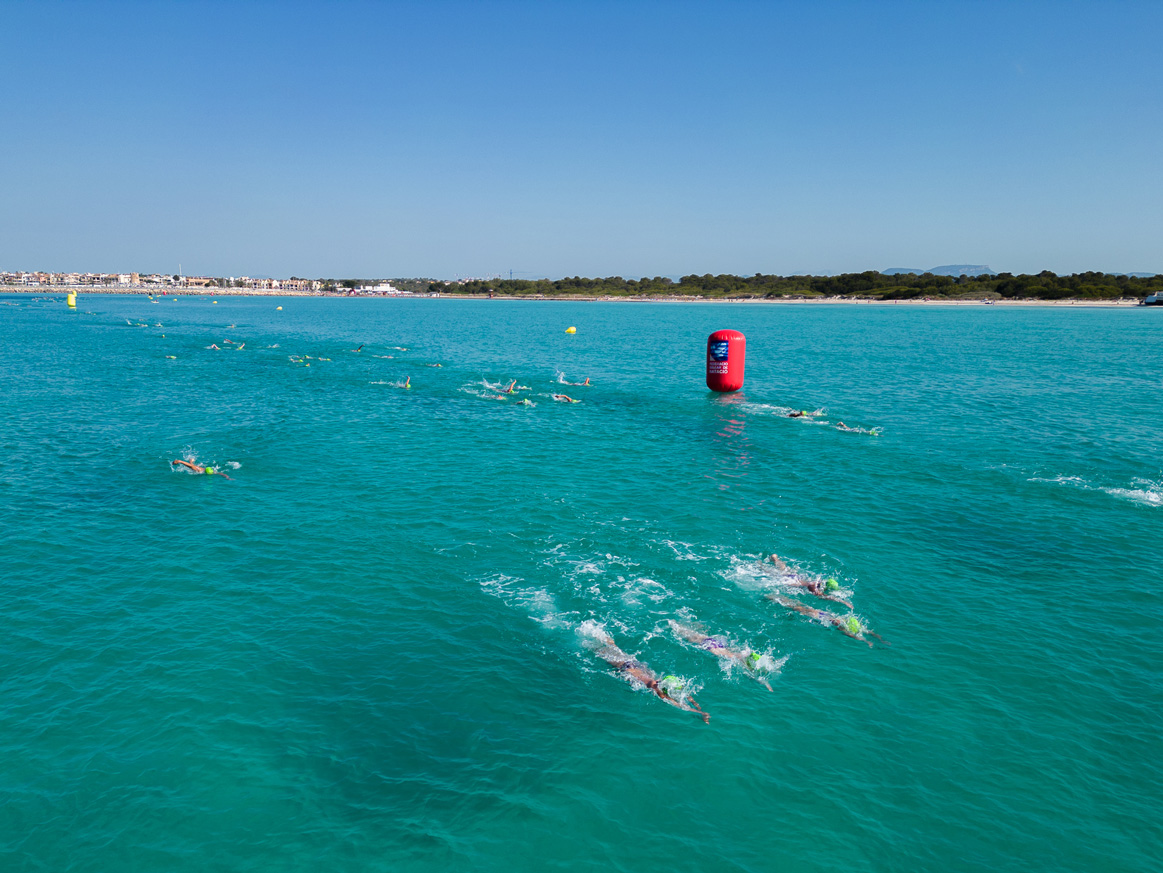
x=871 y=284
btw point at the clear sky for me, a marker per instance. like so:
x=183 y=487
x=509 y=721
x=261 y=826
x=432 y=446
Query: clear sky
x=445 y=139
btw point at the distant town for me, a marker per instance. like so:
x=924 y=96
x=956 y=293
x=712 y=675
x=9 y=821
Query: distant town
x=163 y=282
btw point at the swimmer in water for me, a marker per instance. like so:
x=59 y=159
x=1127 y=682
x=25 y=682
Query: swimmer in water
x=849 y=625
x=636 y=671
x=822 y=588
x=408 y=382
x=360 y=349
x=579 y=384
x=510 y=389
x=195 y=468
x=748 y=659
x=564 y=398
x=799 y=413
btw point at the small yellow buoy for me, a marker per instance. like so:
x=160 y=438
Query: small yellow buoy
x=213 y=301
x=571 y=330
x=71 y=299
x=278 y=307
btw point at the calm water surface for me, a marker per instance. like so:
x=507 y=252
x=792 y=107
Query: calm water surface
x=372 y=649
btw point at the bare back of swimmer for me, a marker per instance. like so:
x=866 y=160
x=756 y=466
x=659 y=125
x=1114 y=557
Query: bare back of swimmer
x=848 y=625
x=746 y=658
x=195 y=468
x=635 y=670
x=814 y=586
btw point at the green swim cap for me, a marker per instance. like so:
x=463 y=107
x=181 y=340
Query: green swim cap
x=853 y=624
x=209 y=471
x=671 y=685
x=831 y=585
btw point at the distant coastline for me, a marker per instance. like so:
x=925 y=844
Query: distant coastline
x=819 y=300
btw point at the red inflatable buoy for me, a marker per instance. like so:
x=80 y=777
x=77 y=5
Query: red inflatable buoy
x=726 y=354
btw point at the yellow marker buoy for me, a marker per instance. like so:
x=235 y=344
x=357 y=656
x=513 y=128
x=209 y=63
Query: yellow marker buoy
x=213 y=301
x=571 y=330
x=71 y=299
x=278 y=307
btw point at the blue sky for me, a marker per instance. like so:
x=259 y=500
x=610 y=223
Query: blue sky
x=447 y=139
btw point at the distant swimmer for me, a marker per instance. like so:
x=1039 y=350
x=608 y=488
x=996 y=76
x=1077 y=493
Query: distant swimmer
x=822 y=588
x=636 y=671
x=578 y=384
x=213 y=346
x=849 y=625
x=798 y=413
x=195 y=468
x=360 y=349
x=564 y=398
x=526 y=402
x=512 y=387
x=750 y=660
x=408 y=382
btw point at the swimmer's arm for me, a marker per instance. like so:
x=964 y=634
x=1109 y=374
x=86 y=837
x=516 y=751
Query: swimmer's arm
x=879 y=637
x=839 y=625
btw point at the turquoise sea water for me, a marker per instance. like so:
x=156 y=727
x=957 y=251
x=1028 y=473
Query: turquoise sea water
x=372 y=649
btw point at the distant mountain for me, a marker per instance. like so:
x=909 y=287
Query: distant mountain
x=947 y=270
x=1137 y=275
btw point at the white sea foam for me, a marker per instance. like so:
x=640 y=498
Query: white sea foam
x=539 y=603
x=1145 y=492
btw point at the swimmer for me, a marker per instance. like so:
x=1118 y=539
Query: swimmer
x=509 y=390
x=408 y=382
x=564 y=398
x=748 y=659
x=822 y=588
x=213 y=346
x=360 y=349
x=849 y=625
x=636 y=671
x=194 y=468
x=799 y=413
x=579 y=384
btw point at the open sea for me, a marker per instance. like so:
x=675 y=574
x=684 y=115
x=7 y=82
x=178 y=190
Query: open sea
x=377 y=646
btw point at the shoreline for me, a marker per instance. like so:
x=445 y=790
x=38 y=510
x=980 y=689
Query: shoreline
x=82 y=291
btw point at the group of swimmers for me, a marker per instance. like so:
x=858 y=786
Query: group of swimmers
x=504 y=393
x=670 y=689
x=825 y=589
x=812 y=416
